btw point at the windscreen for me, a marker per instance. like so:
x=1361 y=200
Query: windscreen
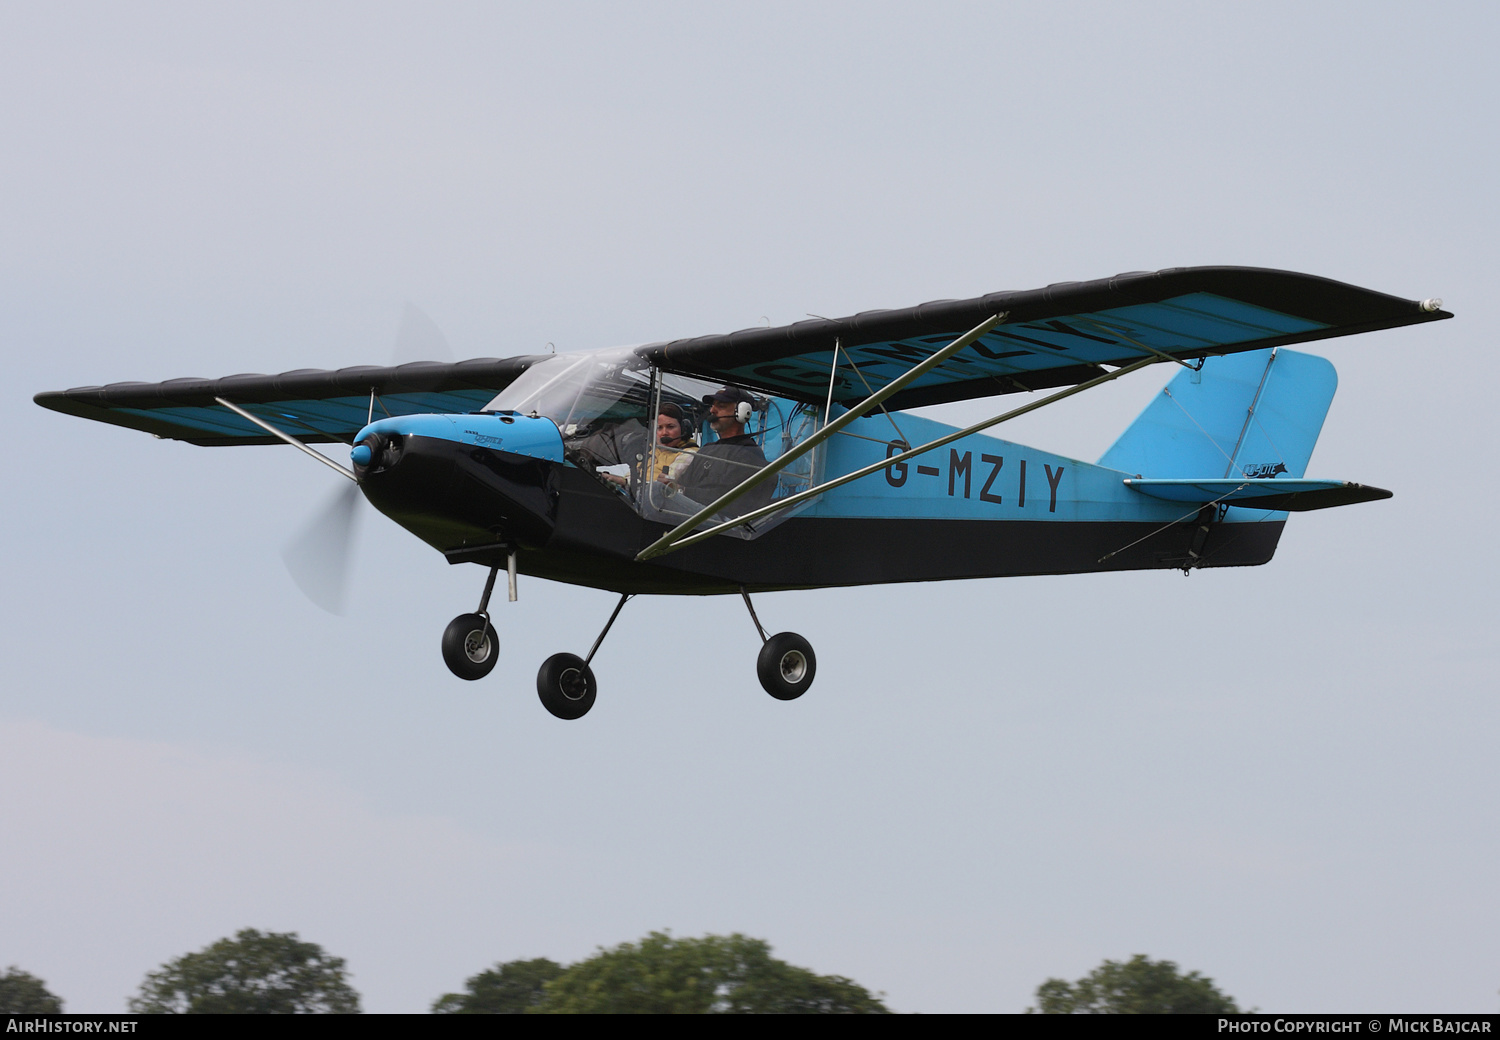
x=600 y=403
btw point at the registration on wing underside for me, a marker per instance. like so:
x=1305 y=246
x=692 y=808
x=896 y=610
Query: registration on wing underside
x=1189 y=325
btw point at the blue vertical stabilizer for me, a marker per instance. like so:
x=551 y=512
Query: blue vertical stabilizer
x=1256 y=415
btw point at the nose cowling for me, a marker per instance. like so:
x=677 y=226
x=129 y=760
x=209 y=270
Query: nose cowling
x=457 y=479
x=380 y=445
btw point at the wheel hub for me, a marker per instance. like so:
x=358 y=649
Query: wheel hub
x=572 y=685
x=793 y=666
x=477 y=646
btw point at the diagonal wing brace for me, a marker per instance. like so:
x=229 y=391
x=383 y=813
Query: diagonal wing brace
x=803 y=496
x=294 y=442
x=670 y=540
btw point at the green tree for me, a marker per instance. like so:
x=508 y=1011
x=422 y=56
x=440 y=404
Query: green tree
x=717 y=974
x=1140 y=986
x=22 y=993
x=254 y=973
x=512 y=988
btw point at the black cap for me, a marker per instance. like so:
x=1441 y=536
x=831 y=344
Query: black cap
x=730 y=395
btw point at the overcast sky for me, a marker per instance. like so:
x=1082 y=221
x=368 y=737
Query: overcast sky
x=1282 y=777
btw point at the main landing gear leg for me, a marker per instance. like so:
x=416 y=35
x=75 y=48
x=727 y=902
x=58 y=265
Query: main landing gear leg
x=566 y=683
x=470 y=645
x=786 y=664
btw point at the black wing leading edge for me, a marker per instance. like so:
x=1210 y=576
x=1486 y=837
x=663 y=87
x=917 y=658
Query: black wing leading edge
x=1058 y=336
x=314 y=405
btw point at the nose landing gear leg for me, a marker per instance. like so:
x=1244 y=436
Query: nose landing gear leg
x=470 y=644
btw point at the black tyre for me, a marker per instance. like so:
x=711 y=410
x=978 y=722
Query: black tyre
x=566 y=686
x=786 y=666
x=470 y=646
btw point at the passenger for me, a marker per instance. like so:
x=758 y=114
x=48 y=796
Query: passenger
x=726 y=462
x=675 y=448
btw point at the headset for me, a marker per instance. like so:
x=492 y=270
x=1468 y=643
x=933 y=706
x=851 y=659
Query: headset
x=744 y=410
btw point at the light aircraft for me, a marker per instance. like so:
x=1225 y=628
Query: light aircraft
x=805 y=467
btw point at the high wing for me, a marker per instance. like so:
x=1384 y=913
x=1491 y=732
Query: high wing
x=1057 y=336
x=315 y=405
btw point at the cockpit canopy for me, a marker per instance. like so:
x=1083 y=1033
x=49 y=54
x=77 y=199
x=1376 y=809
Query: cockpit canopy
x=606 y=406
x=576 y=390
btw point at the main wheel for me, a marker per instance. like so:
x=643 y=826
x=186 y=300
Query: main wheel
x=470 y=646
x=566 y=686
x=786 y=666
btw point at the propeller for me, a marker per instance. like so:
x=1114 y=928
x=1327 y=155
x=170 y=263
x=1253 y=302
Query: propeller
x=418 y=338
x=318 y=557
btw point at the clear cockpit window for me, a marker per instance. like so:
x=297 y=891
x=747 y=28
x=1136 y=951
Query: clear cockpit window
x=687 y=477
x=609 y=407
x=600 y=403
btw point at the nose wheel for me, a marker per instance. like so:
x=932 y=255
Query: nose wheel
x=470 y=646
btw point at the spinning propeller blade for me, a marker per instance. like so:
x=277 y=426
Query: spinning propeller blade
x=318 y=557
x=418 y=338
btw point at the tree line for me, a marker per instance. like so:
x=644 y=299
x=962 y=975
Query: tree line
x=278 y=973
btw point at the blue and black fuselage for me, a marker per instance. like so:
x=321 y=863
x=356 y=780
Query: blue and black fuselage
x=479 y=486
x=563 y=469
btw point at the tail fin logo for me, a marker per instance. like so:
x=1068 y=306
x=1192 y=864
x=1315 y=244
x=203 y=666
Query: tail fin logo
x=1263 y=470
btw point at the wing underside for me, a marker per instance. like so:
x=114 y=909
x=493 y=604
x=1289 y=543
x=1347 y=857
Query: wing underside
x=1058 y=336
x=313 y=405
x=1062 y=335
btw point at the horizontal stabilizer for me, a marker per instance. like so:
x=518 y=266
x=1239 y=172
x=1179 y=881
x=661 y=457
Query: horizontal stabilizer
x=1295 y=496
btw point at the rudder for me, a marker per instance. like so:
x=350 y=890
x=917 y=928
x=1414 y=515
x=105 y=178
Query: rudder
x=1256 y=414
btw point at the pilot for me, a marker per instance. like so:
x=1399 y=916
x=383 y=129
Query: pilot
x=721 y=465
